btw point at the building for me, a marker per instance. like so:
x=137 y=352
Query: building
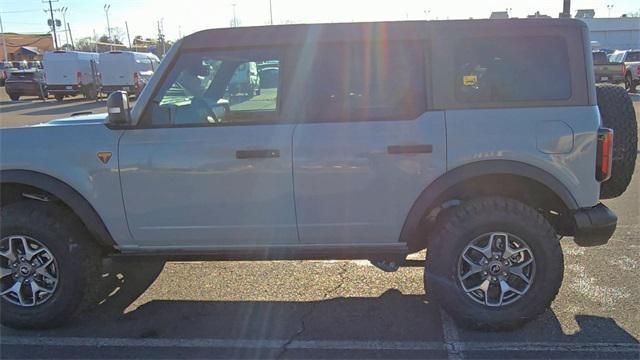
x=26 y=46
x=615 y=33
x=499 y=15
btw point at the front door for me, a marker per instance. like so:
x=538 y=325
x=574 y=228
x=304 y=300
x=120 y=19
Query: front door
x=210 y=165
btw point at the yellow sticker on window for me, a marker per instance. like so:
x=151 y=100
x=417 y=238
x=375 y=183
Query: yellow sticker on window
x=470 y=80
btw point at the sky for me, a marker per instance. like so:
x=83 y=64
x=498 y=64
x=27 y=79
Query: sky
x=183 y=17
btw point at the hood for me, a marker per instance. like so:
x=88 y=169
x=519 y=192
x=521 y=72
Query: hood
x=91 y=119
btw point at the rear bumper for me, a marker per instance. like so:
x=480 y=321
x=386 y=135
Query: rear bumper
x=64 y=89
x=130 y=89
x=594 y=226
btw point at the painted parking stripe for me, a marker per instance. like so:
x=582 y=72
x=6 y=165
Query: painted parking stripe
x=318 y=345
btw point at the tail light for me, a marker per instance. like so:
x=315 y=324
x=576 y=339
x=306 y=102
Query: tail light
x=638 y=70
x=604 y=155
x=624 y=70
x=79 y=76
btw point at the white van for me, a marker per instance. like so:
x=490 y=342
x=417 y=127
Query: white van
x=126 y=70
x=70 y=73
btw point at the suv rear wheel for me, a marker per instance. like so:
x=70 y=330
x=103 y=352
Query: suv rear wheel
x=494 y=264
x=46 y=259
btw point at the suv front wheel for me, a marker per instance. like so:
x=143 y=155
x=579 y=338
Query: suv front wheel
x=46 y=259
x=494 y=264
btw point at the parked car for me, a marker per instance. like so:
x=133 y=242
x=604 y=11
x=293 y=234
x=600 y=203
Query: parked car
x=245 y=80
x=631 y=60
x=483 y=141
x=126 y=70
x=35 y=65
x=26 y=83
x=607 y=71
x=71 y=73
x=5 y=69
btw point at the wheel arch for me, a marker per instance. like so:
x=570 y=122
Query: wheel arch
x=12 y=181
x=490 y=178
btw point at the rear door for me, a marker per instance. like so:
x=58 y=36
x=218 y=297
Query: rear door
x=116 y=69
x=366 y=146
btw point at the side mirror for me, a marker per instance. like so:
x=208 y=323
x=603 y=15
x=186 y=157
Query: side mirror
x=118 y=108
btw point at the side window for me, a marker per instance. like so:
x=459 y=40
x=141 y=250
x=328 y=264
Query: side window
x=511 y=69
x=222 y=87
x=365 y=81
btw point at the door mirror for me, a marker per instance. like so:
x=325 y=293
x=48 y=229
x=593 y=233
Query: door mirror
x=118 y=108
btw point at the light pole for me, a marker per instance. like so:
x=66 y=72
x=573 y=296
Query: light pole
x=271 y=12
x=235 y=19
x=106 y=11
x=609 y=7
x=4 y=41
x=64 y=22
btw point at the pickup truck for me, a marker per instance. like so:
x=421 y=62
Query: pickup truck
x=607 y=71
x=631 y=61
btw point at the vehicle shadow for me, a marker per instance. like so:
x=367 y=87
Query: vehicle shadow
x=32 y=104
x=390 y=318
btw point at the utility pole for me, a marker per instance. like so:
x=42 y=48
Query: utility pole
x=271 y=12
x=95 y=41
x=161 y=36
x=4 y=41
x=53 y=22
x=73 y=46
x=106 y=11
x=126 y=24
x=64 y=22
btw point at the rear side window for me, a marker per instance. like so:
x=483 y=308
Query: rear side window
x=633 y=56
x=512 y=69
x=365 y=81
x=599 y=58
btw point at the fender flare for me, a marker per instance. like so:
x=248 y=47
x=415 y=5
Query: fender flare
x=433 y=191
x=65 y=193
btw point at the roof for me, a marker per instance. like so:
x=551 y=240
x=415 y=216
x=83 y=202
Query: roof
x=15 y=41
x=29 y=50
x=280 y=35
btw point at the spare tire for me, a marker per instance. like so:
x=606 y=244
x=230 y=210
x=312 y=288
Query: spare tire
x=617 y=113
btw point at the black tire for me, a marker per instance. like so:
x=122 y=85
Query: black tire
x=14 y=97
x=472 y=219
x=59 y=98
x=629 y=84
x=76 y=255
x=617 y=113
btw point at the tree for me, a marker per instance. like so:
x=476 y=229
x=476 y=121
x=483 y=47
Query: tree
x=85 y=44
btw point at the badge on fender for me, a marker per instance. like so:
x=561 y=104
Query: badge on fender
x=104 y=156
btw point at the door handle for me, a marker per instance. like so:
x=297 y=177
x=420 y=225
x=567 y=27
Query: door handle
x=258 y=154
x=410 y=149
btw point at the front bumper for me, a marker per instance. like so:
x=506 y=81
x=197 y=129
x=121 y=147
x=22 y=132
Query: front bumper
x=594 y=226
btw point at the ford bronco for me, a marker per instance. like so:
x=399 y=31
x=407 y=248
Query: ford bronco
x=484 y=142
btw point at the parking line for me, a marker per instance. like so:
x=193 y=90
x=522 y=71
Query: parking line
x=316 y=344
x=454 y=346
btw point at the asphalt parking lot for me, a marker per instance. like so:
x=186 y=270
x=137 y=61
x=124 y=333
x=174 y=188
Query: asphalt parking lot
x=345 y=309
